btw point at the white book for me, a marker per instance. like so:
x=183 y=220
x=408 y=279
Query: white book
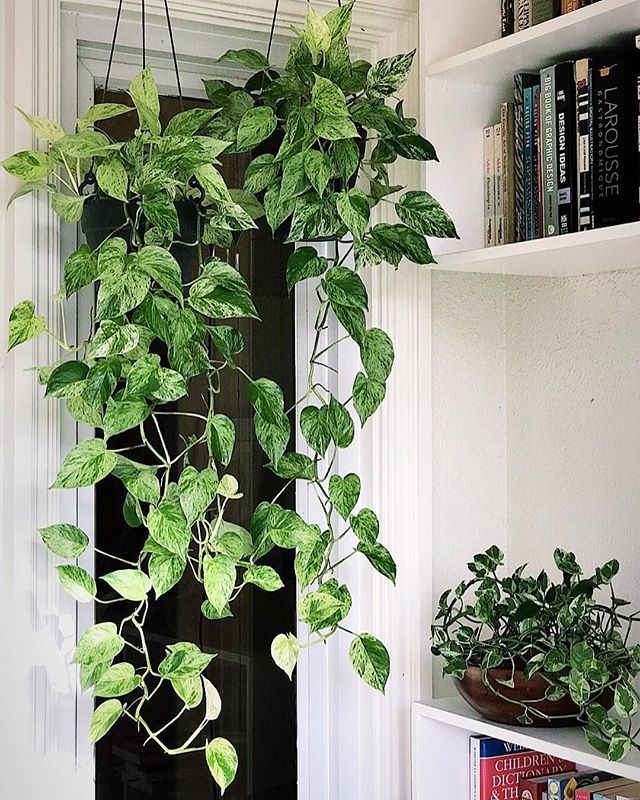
x=498 y=166
x=489 y=187
x=474 y=767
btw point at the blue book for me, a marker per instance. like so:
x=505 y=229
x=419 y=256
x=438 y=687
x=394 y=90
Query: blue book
x=531 y=100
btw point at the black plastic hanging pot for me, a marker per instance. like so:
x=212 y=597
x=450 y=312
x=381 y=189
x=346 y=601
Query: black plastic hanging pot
x=104 y=217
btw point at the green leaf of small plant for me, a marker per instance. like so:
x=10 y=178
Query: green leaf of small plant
x=380 y=559
x=263 y=577
x=112 y=178
x=119 y=679
x=285 y=650
x=370 y=659
x=100 y=642
x=222 y=761
x=132 y=584
x=221 y=436
x=65 y=540
x=368 y=394
x=219 y=580
x=389 y=75
x=88 y=463
x=104 y=718
x=421 y=212
x=77 y=582
x=366 y=526
x=24 y=324
x=249 y=58
x=344 y=493
x=255 y=126
x=43 y=128
x=168 y=527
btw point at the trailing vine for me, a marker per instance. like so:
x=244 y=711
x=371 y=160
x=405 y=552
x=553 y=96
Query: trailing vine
x=325 y=130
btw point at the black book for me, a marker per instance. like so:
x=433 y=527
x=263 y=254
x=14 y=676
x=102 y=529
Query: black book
x=634 y=100
x=614 y=171
x=507 y=17
x=584 y=103
x=522 y=81
x=565 y=89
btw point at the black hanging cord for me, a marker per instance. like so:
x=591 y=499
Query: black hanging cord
x=173 y=53
x=144 y=38
x=273 y=27
x=113 y=47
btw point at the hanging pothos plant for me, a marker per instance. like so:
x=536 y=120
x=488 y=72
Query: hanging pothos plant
x=334 y=136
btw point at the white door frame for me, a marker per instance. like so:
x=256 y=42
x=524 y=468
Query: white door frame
x=352 y=744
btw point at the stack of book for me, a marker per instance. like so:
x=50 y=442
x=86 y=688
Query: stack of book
x=518 y=15
x=503 y=771
x=565 y=155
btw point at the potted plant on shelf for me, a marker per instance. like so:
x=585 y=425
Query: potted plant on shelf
x=321 y=110
x=525 y=650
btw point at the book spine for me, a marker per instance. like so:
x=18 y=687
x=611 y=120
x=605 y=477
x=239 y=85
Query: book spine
x=635 y=90
x=549 y=153
x=519 y=178
x=522 y=14
x=566 y=147
x=567 y=6
x=610 y=178
x=584 y=104
x=541 y=11
x=489 y=188
x=499 y=174
x=529 y=789
x=474 y=768
x=555 y=789
x=528 y=161
x=507 y=17
x=538 y=164
x=508 y=168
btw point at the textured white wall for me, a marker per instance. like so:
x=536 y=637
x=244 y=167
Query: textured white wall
x=469 y=423
x=536 y=430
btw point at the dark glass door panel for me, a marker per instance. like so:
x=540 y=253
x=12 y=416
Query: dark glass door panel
x=259 y=714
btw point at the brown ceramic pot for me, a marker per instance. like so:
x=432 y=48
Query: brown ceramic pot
x=485 y=702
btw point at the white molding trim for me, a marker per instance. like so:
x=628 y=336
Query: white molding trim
x=352 y=744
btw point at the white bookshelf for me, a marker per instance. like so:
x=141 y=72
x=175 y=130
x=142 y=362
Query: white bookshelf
x=442 y=729
x=526 y=363
x=470 y=84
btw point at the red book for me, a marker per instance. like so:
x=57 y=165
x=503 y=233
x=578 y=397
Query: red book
x=497 y=767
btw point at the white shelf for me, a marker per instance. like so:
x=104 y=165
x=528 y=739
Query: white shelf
x=568 y=743
x=598 y=25
x=584 y=253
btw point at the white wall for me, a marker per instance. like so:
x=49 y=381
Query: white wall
x=536 y=431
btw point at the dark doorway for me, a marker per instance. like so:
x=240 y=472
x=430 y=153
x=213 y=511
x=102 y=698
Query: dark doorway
x=259 y=714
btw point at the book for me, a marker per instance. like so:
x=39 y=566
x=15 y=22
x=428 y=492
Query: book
x=531 y=172
x=522 y=80
x=613 y=178
x=634 y=91
x=489 y=187
x=507 y=121
x=566 y=147
x=570 y=5
x=522 y=14
x=597 y=791
x=536 y=788
x=499 y=192
x=548 y=152
x=584 y=104
x=537 y=149
x=563 y=786
x=543 y=10
x=507 y=17
x=496 y=767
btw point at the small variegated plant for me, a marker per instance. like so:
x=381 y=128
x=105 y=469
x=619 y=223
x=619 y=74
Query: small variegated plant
x=573 y=634
x=327 y=136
